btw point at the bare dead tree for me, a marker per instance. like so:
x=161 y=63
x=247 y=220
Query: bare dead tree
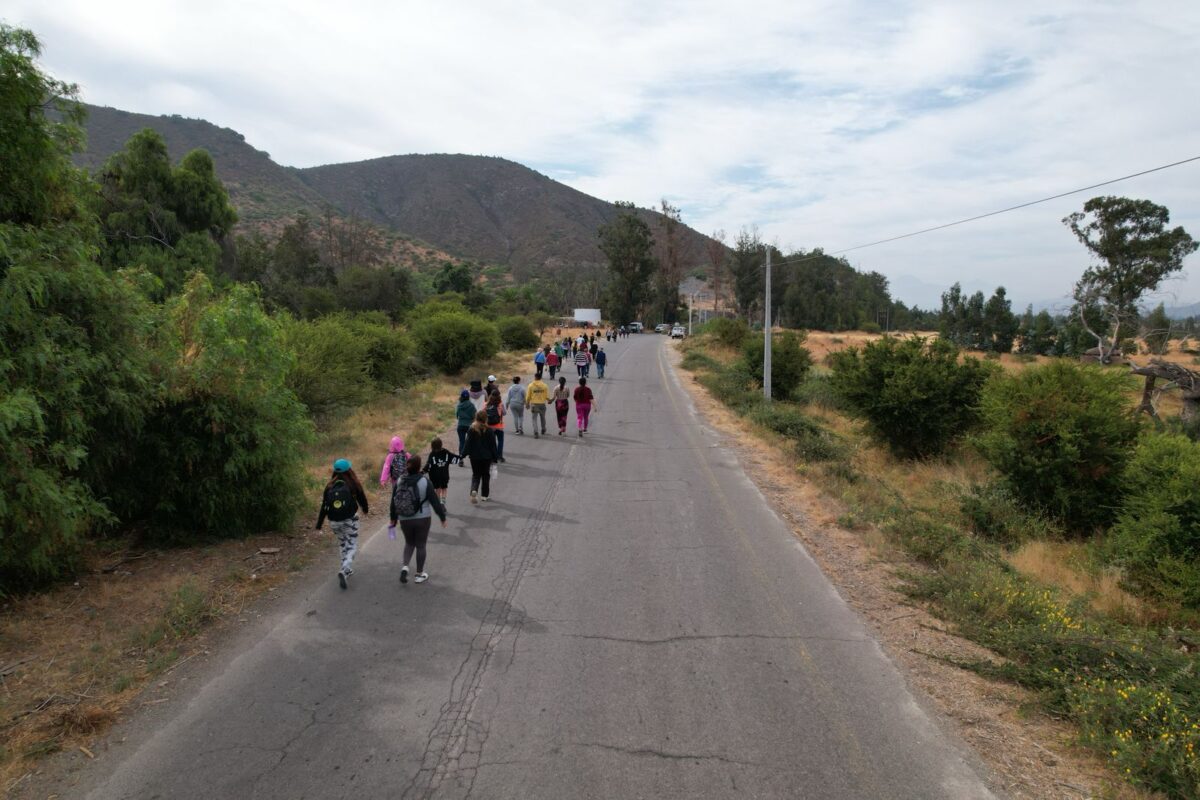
x=1176 y=377
x=717 y=253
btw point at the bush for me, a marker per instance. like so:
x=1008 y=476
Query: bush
x=993 y=511
x=223 y=452
x=75 y=385
x=516 y=333
x=790 y=362
x=1157 y=535
x=341 y=360
x=728 y=332
x=1061 y=435
x=813 y=441
x=817 y=390
x=451 y=340
x=870 y=327
x=913 y=394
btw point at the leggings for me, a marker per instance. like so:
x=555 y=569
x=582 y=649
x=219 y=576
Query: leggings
x=481 y=474
x=538 y=411
x=499 y=442
x=582 y=412
x=560 y=409
x=416 y=533
x=462 y=438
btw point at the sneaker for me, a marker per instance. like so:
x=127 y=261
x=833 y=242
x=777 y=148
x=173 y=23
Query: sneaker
x=473 y=497
x=404 y=574
x=342 y=579
x=535 y=434
x=420 y=577
x=581 y=434
x=484 y=499
x=502 y=461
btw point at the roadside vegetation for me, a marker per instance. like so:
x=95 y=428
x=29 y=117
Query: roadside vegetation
x=171 y=397
x=1052 y=525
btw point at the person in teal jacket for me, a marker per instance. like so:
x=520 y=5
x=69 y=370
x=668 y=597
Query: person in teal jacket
x=464 y=412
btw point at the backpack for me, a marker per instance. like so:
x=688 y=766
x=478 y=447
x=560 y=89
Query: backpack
x=493 y=415
x=341 y=502
x=408 y=497
x=398 y=465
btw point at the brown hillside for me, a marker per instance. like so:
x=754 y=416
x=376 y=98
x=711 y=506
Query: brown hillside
x=260 y=189
x=485 y=208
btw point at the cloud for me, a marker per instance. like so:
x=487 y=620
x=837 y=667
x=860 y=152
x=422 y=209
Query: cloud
x=825 y=123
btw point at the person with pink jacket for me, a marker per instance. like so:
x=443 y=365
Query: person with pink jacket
x=395 y=464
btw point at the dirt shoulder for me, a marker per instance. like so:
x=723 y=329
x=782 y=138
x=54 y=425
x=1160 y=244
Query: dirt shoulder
x=1031 y=755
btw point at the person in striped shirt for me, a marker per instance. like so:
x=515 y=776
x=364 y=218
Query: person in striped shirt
x=583 y=360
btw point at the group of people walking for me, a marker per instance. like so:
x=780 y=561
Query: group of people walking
x=419 y=486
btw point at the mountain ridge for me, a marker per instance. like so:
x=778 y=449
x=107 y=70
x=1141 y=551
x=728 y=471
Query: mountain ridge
x=485 y=208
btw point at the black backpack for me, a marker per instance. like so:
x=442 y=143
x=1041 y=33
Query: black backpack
x=398 y=465
x=341 y=501
x=408 y=496
x=493 y=415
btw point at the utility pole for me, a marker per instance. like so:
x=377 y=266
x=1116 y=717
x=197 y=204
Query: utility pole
x=767 y=332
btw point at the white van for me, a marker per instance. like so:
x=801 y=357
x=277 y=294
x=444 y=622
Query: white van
x=635 y=327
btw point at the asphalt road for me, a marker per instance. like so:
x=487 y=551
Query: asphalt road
x=628 y=618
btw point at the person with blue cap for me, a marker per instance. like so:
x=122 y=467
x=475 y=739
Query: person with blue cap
x=343 y=497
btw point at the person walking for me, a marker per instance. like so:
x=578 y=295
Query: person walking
x=553 y=360
x=593 y=348
x=342 y=499
x=464 y=413
x=516 y=404
x=584 y=402
x=394 y=463
x=491 y=387
x=539 y=360
x=536 y=397
x=601 y=361
x=494 y=413
x=562 y=404
x=582 y=360
x=481 y=449
x=477 y=394
x=437 y=467
x=413 y=504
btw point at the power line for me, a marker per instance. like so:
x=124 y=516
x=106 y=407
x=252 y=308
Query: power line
x=990 y=213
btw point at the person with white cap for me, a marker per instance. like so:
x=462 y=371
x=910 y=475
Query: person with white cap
x=343 y=497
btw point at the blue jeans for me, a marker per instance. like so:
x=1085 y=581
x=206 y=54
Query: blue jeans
x=499 y=442
x=600 y=370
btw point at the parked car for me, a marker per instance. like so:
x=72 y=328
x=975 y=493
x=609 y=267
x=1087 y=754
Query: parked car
x=635 y=327
x=660 y=327
x=678 y=332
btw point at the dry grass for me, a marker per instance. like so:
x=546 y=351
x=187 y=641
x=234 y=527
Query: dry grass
x=73 y=659
x=1065 y=565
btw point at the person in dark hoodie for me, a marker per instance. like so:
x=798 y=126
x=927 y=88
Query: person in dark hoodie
x=413 y=504
x=481 y=449
x=464 y=412
x=437 y=467
x=342 y=499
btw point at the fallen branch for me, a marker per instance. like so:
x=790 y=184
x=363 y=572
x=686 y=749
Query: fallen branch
x=9 y=669
x=125 y=560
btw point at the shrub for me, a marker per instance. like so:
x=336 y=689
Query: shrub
x=913 y=394
x=790 y=362
x=451 y=340
x=516 y=333
x=222 y=453
x=870 y=327
x=732 y=386
x=813 y=441
x=729 y=332
x=1156 y=537
x=75 y=385
x=817 y=390
x=1060 y=435
x=993 y=511
x=330 y=369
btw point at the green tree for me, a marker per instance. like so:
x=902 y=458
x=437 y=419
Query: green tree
x=913 y=394
x=222 y=452
x=1061 y=434
x=629 y=247
x=746 y=267
x=451 y=340
x=1000 y=326
x=1156 y=330
x=454 y=277
x=791 y=361
x=37 y=182
x=1134 y=251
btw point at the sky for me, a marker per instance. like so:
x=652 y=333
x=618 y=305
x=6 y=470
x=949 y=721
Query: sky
x=823 y=124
